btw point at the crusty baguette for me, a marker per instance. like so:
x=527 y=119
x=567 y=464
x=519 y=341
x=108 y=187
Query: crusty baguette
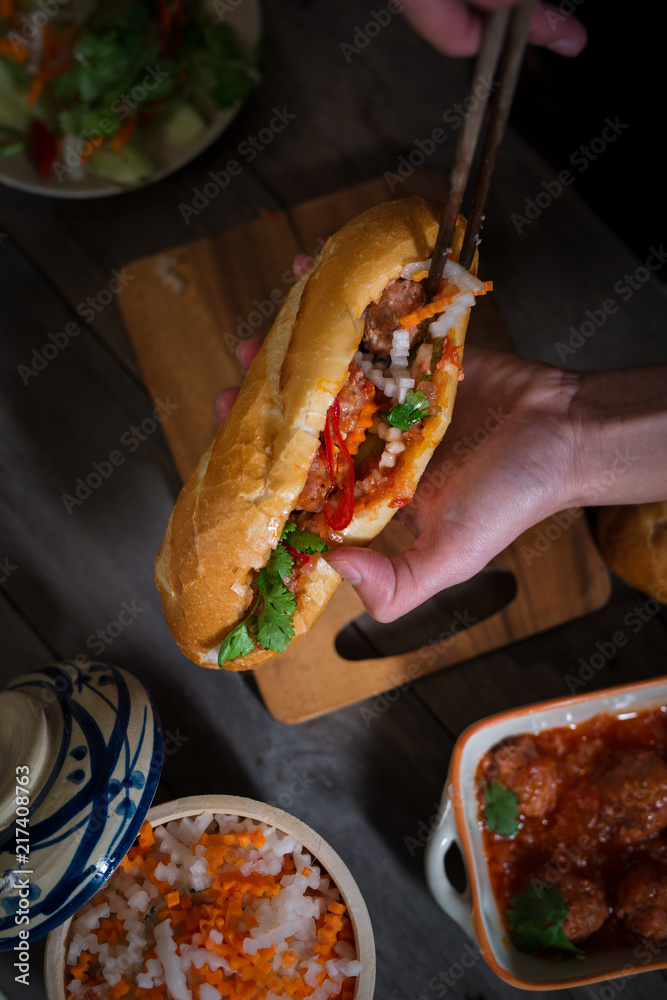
x=633 y=540
x=231 y=511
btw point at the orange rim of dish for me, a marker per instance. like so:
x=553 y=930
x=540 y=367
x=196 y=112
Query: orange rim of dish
x=454 y=783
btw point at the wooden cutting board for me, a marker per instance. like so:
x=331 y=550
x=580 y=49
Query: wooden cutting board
x=186 y=314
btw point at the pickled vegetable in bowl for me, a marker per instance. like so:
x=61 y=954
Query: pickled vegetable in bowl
x=214 y=906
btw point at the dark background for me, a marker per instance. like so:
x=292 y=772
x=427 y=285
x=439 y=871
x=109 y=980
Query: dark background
x=562 y=103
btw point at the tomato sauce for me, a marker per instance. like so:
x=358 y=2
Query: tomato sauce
x=592 y=803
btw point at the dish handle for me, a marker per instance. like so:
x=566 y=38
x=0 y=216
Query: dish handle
x=456 y=904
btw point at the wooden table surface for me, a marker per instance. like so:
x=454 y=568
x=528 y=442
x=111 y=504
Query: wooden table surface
x=369 y=781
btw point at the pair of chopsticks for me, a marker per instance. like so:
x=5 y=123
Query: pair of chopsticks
x=505 y=37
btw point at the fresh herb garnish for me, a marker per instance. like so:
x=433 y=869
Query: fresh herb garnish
x=536 y=916
x=302 y=541
x=404 y=415
x=238 y=642
x=11 y=141
x=273 y=627
x=501 y=814
x=307 y=542
x=277 y=569
x=223 y=68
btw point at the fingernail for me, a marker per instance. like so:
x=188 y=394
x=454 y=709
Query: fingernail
x=347 y=571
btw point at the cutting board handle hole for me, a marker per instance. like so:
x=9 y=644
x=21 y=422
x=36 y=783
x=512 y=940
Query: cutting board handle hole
x=442 y=616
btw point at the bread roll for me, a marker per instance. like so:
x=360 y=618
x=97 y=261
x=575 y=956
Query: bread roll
x=633 y=540
x=231 y=511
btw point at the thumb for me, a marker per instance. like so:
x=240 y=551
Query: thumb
x=389 y=588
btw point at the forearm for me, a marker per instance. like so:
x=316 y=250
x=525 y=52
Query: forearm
x=619 y=428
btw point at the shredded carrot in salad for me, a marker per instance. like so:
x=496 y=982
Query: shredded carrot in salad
x=125 y=132
x=15 y=49
x=224 y=918
x=55 y=60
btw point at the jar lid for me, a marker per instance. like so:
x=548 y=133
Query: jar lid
x=80 y=759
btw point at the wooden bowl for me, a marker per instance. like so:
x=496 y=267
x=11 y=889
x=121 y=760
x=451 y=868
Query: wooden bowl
x=236 y=805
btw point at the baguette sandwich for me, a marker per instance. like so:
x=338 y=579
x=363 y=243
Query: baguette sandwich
x=336 y=420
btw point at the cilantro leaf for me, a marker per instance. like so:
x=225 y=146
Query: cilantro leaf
x=302 y=541
x=109 y=55
x=84 y=120
x=404 y=415
x=274 y=627
x=238 y=642
x=501 y=814
x=223 y=70
x=306 y=541
x=277 y=569
x=536 y=916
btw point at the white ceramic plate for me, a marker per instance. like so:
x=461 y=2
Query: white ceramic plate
x=18 y=172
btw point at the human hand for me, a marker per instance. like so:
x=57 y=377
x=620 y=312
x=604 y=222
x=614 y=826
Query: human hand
x=526 y=440
x=505 y=463
x=455 y=27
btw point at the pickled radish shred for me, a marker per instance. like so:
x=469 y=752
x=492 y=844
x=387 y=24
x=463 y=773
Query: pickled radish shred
x=213 y=906
x=464 y=280
x=452 y=313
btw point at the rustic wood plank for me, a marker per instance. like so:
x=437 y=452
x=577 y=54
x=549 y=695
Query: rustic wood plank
x=579 y=657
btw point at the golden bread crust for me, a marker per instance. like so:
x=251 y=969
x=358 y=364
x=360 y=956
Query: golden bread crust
x=231 y=511
x=633 y=540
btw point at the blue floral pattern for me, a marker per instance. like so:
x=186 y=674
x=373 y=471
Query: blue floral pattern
x=89 y=806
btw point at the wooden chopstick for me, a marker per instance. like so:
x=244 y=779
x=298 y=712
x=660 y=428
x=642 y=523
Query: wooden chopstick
x=504 y=41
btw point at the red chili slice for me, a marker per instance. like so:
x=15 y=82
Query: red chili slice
x=339 y=506
x=164 y=24
x=42 y=148
x=299 y=556
x=451 y=354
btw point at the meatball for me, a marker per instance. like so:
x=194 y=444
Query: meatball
x=519 y=767
x=355 y=394
x=587 y=905
x=318 y=484
x=634 y=796
x=642 y=900
x=399 y=298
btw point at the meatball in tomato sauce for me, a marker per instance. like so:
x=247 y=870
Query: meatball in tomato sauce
x=588 y=908
x=634 y=795
x=642 y=900
x=520 y=767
